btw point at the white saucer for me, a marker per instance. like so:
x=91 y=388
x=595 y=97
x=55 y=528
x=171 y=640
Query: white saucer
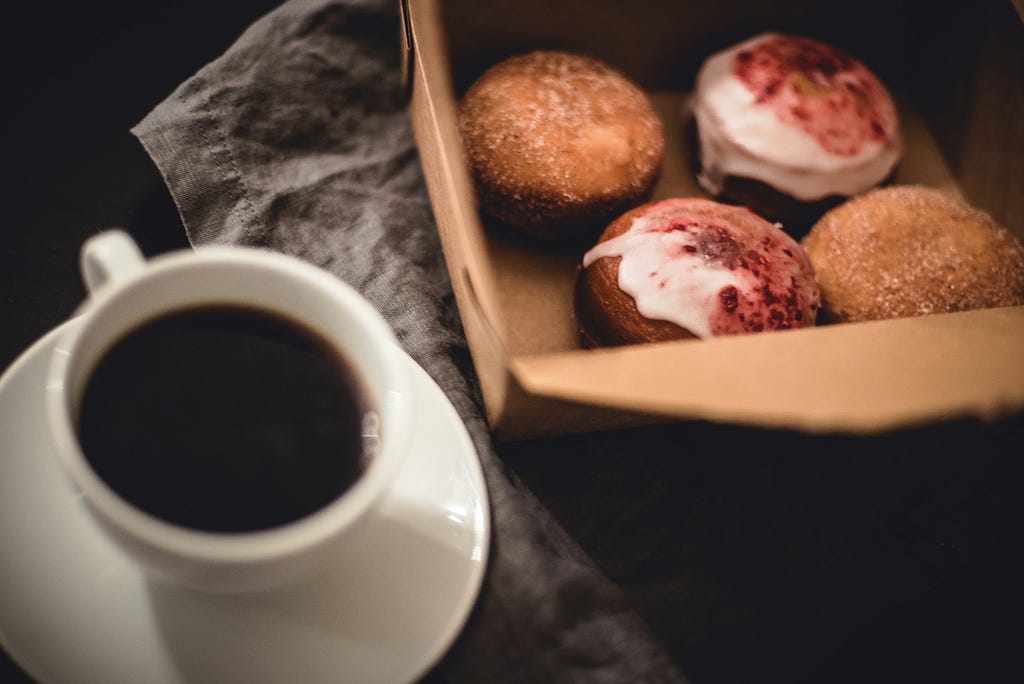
x=74 y=608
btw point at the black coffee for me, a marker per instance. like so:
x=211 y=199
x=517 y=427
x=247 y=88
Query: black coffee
x=224 y=419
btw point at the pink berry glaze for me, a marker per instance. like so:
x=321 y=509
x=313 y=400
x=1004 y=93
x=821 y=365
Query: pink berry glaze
x=712 y=269
x=831 y=96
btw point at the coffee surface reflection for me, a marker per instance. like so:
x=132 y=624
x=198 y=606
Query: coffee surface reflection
x=225 y=419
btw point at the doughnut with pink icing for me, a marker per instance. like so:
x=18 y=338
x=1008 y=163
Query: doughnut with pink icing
x=797 y=116
x=684 y=268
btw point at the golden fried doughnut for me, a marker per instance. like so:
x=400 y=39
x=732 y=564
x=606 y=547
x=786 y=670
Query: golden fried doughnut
x=911 y=250
x=558 y=143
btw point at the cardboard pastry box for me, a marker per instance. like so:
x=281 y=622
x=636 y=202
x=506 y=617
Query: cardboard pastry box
x=956 y=73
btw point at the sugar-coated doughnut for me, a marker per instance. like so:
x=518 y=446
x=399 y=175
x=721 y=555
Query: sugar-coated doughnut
x=790 y=126
x=911 y=250
x=558 y=143
x=684 y=268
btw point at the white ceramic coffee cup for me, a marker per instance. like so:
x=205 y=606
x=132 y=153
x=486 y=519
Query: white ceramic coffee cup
x=125 y=290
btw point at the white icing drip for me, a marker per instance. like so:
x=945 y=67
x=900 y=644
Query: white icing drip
x=738 y=139
x=666 y=282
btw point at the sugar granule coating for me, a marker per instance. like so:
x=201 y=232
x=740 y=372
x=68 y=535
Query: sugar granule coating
x=559 y=143
x=911 y=250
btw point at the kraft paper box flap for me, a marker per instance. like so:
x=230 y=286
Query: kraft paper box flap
x=515 y=296
x=854 y=378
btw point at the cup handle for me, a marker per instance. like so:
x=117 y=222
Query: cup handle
x=109 y=257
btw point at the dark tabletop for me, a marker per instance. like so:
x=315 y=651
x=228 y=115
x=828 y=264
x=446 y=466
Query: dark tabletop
x=752 y=554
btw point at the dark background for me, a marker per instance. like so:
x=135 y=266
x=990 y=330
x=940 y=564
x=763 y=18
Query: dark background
x=753 y=555
x=76 y=77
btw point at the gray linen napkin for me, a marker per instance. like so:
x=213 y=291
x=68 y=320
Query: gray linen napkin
x=296 y=139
